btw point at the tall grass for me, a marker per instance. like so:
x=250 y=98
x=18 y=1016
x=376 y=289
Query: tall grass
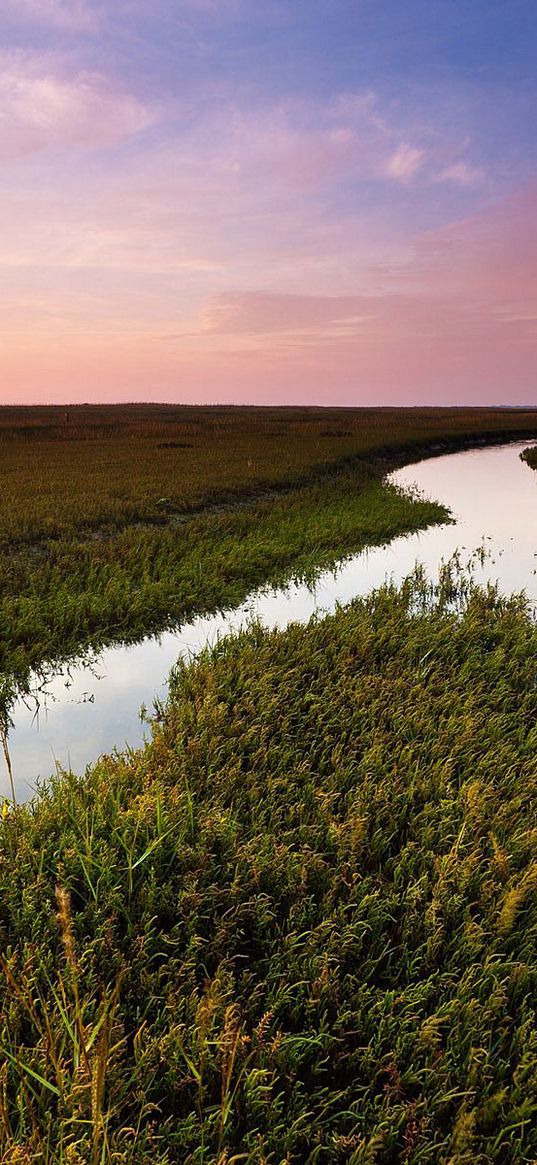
x=82 y=593
x=108 y=467
x=300 y=925
x=117 y=521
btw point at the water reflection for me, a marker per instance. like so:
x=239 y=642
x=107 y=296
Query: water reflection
x=95 y=708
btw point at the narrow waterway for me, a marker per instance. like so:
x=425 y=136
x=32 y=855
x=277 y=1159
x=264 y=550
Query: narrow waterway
x=87 y=710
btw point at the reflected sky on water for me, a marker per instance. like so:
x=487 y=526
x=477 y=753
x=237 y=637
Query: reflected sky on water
x=88 y=710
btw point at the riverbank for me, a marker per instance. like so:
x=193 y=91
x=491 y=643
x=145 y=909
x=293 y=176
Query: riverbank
x=299 y=925
x=92 y=705
x=103 y=538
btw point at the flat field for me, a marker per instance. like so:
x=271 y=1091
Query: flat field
x=117 y=521
x=299 y=927
x=89 y=467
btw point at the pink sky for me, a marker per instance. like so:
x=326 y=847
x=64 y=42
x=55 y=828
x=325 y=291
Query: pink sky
x=244 y=240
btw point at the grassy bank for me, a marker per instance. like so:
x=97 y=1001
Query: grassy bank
x=530 y=456
x=300 y=926
x=104 y=468
x=123 y=585
x=117 y=521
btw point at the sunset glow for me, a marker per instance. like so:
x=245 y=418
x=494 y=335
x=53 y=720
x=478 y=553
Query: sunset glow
x=268 y=201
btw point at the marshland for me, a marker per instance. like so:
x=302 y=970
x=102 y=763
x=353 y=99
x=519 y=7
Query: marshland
x=299 y=924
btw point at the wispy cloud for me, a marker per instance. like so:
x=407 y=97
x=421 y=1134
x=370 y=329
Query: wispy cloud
x=463 y=319
x=65 y=15
x=405 y=162
x=41 y=106
x=461 y=174
x=206 y=179
x=264 y=313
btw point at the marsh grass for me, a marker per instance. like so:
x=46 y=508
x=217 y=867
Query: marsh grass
x=66 y=1098
x=299 y=926
x=119 y=521
x=530 y=456
x=304 y=915
x=84 y=594
x=4 y=738
x=109 y=467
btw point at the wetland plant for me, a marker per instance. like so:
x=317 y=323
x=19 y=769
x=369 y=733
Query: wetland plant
x=300 y=925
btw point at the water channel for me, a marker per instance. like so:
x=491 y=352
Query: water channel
x=88 y=709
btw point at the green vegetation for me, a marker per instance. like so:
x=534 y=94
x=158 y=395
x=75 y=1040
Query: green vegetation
x=121 y=520
x=530 y=456
x=126 y=584
x=92 y=467
x=300 y=925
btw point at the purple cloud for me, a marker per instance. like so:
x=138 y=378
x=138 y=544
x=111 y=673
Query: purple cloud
x=42 y=105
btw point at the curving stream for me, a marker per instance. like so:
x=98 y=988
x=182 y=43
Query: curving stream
x=90 y=709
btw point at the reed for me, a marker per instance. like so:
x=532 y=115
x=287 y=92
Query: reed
x=124 y=520
x=300 y=924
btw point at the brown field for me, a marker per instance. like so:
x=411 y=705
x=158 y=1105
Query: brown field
x=86 y=466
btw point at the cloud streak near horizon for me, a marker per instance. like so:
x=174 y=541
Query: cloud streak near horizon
x=210 y=200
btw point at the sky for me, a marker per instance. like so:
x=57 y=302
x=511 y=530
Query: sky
x=330 y=202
